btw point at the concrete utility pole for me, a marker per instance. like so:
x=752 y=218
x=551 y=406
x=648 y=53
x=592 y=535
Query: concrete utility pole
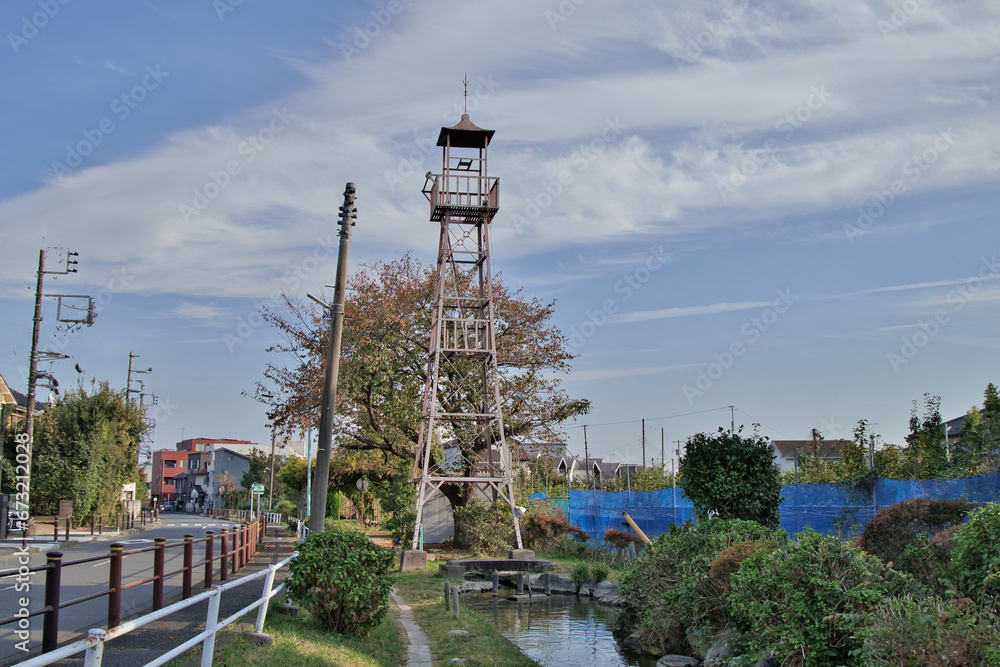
x=270 y=486
x=586 y=454
x=643 y=444
x=348 y=214
x=22 y=499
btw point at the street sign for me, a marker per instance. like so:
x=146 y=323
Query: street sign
x=257 y=488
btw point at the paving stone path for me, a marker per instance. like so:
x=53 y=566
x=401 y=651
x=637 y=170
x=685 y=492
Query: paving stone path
x=418 y=654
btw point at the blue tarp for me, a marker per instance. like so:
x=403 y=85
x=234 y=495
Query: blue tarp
x=831 y=509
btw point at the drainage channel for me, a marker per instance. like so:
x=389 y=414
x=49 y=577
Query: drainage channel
x=560 y=630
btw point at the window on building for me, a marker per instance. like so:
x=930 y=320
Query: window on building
x=169 y=464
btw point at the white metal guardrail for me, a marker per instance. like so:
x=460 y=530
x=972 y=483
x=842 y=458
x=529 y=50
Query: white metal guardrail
x=93 y=646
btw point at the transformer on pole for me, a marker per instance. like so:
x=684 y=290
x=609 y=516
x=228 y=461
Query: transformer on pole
x=461 y=437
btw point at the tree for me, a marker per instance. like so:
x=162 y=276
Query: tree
x=927 y=453
x=260 y=473
x=86 y=447
x=733 y=476
x=383 y=368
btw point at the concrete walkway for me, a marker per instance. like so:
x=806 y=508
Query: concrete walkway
x=418 y=653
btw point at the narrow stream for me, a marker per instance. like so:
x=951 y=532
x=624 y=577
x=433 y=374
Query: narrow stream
x=560 y=631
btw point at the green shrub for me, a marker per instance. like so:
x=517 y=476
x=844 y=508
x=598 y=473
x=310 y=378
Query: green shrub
x=929 y=559
x=580 y=574
x=808 y=601
x=286 y=507
x=668 y=592
x=599 y=572
x=486 y=529
x=728 y=561
x=901 y=525
x=974 y=567
x=929 y=632
x=343 y=580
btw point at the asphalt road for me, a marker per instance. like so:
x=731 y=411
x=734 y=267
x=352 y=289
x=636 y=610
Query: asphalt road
x=86 y=578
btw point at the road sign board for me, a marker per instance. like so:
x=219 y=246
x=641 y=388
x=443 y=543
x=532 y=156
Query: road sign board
x=257 y=488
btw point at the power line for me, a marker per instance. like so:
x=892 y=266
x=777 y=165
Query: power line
x=766 y=426
x=637 y=421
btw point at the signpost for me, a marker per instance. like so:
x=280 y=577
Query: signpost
x=257 y=490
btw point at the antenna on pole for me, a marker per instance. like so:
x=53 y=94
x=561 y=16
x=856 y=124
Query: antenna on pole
x=465 y=104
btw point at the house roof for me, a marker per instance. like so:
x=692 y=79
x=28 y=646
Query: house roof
x=827 y=449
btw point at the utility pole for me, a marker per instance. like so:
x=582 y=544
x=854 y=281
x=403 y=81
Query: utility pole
x=732 y=419
x=348 y=214
x=22 y=507
x=270 y=486
x=643 y=444
x=128 y=382
x=663 y=451
x=586 y=454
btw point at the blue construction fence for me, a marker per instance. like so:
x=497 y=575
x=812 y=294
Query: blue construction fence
x=831 y=509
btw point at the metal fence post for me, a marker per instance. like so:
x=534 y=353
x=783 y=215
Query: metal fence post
x=211 y=624
x=94 y=654
x=158 y=570
x=224 y=553
x=93 y=521
x=53 y=576
x=262 y=610
x=100 y=524
x=69 y=520
x=188 y=566
x=115 y=586
x=209 y=556
x=55 y=530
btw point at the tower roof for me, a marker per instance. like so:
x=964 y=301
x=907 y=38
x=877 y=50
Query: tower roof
x=465 y=135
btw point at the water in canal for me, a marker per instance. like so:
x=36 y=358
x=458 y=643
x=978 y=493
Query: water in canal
x=560 y=630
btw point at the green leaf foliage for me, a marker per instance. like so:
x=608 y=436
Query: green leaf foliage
x=809 y=601
x=732 y=476
x=86 y=446
x=898 y=526
x=668 y=591
x=343 y=580
x=974 y=567
x=930 y=632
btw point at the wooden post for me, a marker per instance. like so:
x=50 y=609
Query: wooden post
x=53 y=577
x=158 y=569
x=188 y=566
x=224 y=553
x=115 y=586
x=209 y=556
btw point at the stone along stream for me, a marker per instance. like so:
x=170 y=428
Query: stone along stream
x=560 y=630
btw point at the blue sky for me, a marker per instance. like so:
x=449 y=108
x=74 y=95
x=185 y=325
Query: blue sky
x=785 y=207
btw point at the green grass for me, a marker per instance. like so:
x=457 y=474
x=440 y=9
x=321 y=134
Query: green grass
x=300 y=642
x=483 y=646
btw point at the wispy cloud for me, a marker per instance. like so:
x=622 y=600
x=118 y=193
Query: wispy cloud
x=687 y=311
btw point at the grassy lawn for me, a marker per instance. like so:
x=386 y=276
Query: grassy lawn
x=299 y=641
x=484 y=645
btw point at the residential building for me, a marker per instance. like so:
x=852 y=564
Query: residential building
x=787 y=450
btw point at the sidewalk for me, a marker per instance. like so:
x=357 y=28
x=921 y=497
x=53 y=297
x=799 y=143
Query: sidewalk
x=151 y=641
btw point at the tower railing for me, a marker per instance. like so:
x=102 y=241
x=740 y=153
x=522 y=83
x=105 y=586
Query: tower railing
x=462 y=191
